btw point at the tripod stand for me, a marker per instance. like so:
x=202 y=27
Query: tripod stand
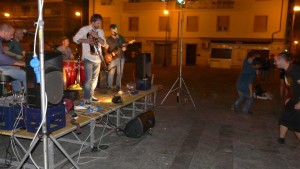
x=41 y=74
x=180 y=80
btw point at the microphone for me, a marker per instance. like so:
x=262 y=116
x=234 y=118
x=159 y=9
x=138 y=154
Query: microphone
x=115 y=33
x=27 y=32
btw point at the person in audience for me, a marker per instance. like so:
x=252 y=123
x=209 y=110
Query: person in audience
x=290 y=117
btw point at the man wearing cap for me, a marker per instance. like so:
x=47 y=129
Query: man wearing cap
x=65 y=49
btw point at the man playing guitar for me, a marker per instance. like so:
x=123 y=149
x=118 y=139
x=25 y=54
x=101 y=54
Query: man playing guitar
x=116 y=45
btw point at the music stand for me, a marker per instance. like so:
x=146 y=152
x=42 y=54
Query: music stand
x=180 y=79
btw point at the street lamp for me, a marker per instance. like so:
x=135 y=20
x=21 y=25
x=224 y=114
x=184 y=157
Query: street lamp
x=79 y=14
x=6 y=14
x=296 y=8
x=296 y=45
x=166 y=12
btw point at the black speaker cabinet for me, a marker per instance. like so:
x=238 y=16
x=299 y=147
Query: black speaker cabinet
x=53 y=79
x=143 y=66
x=138 y=126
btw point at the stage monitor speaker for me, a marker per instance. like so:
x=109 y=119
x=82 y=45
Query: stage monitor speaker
x=143 y=66
x=138 y=126
x=53 y=79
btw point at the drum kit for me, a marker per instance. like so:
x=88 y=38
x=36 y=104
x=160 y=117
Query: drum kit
x=73 y=74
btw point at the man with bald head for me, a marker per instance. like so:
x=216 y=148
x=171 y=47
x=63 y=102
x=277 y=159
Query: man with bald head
x=8 y=65
x=14 y=48
x=290 y=117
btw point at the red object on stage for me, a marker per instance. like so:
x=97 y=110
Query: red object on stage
x=70 y=73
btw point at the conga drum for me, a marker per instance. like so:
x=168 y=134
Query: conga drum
x=69 y=73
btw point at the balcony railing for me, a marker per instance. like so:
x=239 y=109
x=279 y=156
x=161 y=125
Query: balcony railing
x=141 y=5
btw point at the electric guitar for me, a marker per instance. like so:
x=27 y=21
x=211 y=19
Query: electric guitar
x=112 y=55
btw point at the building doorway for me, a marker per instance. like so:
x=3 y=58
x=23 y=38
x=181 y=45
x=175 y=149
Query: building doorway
x=191 y=53
x=160 y=52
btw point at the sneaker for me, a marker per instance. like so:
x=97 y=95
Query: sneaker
x=87 y=102
x=94 y=99
x=281 y=140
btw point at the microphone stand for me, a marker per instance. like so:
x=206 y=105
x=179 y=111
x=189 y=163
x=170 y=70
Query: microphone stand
x=45 y=135
x=180 y=78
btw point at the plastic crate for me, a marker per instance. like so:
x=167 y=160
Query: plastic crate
x=143 y=84
x=55 y=118
x=8 y=116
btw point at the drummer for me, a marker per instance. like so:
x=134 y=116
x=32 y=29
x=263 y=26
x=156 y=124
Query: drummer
x=65 y=49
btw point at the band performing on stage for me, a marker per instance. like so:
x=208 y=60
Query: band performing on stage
x=79 y=71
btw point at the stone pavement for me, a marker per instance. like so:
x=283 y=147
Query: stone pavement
x=210 y=137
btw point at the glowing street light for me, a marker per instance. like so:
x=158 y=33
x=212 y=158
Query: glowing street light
x=166 y=12
x=78 y=14
x=180 y=1
x=6 y=14
x=296 y=9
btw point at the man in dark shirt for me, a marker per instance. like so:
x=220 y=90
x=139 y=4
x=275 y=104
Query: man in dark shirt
x=9 y=66
x=290 y=118
x=14 y=47
x=244 y=84
x=116 y=46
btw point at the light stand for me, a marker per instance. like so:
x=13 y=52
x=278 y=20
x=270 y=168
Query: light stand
x=44 y=134
x=180 y=78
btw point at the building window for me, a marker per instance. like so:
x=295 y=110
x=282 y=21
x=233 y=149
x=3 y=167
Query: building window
x=192 y=24
x=106 y=2
x=223 y=23
x=163 y=23
x=260 y=23
x=106 y=24
x=133 y=24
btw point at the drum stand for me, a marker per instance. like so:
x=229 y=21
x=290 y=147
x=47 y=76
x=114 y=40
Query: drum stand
x=180 y=78
x=44 y=133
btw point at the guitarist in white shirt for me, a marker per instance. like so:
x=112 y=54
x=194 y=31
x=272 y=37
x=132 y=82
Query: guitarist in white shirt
x=116 y=45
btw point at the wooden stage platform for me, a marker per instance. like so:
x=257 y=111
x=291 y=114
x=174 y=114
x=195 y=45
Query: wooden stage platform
x=120 y=114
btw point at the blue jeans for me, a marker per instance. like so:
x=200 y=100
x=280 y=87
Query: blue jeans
x=115 y=64
x=16 y=73
x=243 y=97
x=91 y=72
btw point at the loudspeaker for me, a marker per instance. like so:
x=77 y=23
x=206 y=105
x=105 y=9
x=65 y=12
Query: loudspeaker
x=138 y=126
x=143 y=66
x=53 y=79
